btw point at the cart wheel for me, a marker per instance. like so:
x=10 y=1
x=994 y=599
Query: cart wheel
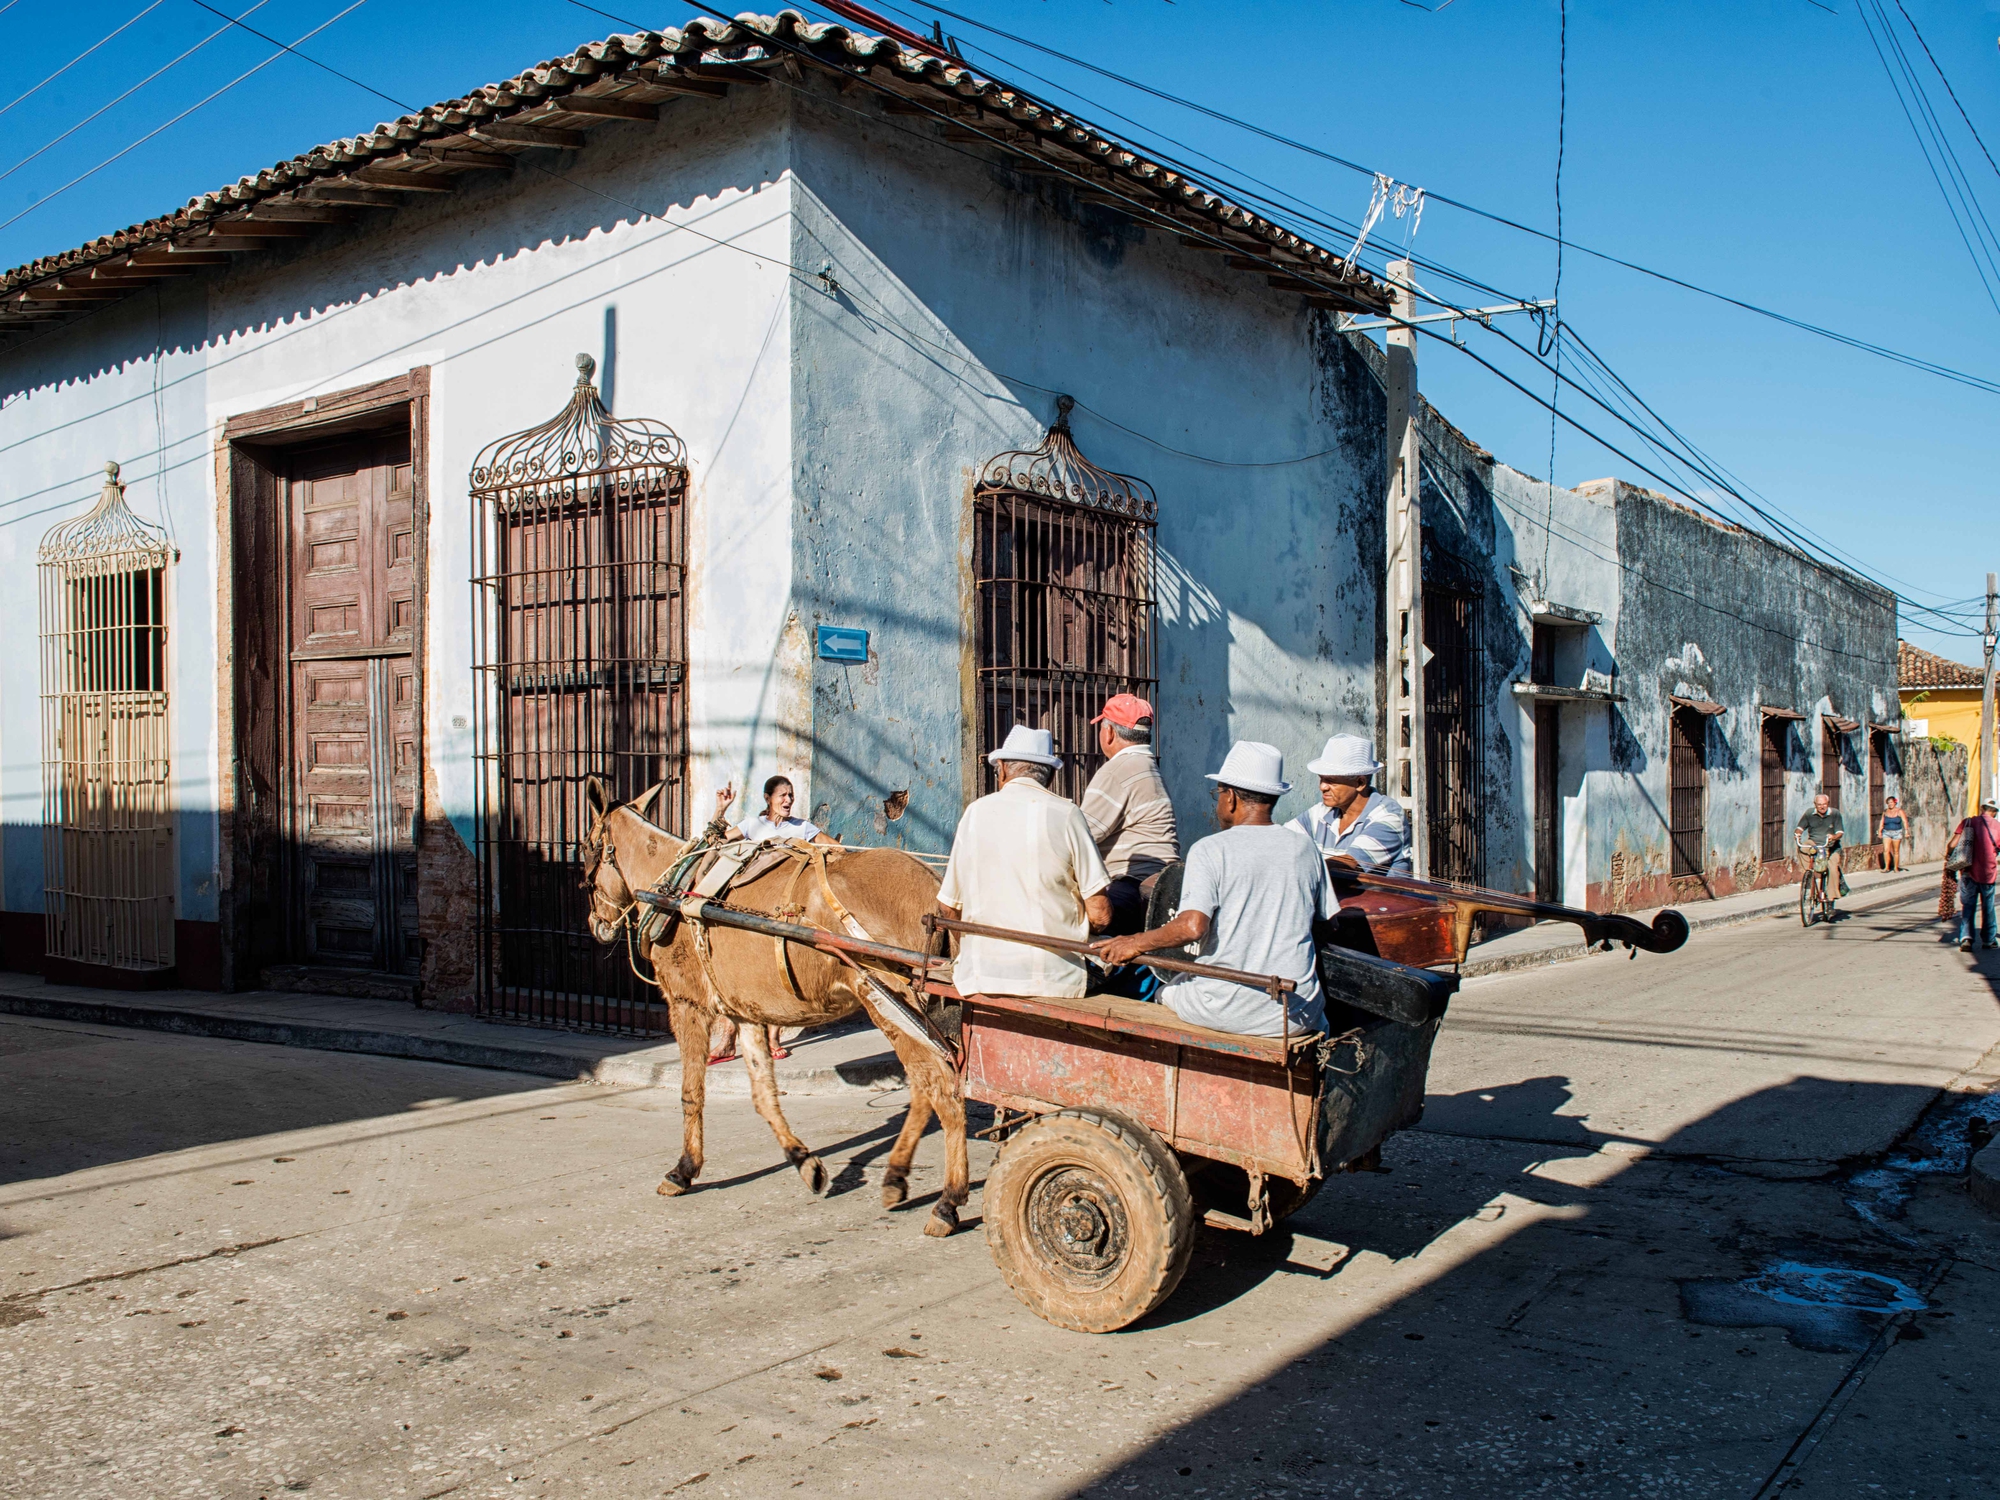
x=1089 y=1219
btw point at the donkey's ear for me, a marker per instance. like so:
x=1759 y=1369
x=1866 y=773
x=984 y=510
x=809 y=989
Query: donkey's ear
x=644 y=801
x=596 y=796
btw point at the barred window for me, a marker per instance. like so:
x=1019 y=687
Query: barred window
x=1064 y=563
x=108 y=806
x=580 y=644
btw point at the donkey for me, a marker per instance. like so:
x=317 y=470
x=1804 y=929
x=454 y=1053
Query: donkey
x=766 y=981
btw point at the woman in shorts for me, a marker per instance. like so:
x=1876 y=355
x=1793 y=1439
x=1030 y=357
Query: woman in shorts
x=1892 y=832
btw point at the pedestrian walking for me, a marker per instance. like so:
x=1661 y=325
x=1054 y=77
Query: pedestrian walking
x=1975 y=849
x=1891 y=833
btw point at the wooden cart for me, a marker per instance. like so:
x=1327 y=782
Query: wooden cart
x=1122 y=1127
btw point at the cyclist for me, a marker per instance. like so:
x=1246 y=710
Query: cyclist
x=1819 y=832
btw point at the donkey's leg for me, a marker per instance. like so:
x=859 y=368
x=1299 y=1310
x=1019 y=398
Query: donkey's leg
x=690 y=1023
x=933 y=1086
x=896 y=1179
x=949 y=1101
x=756 y=1047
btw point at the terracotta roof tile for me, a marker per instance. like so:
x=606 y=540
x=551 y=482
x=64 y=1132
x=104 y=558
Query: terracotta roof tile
x=716 y=50
x=1917 y=668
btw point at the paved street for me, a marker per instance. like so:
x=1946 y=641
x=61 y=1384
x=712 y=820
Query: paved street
x=236 y=1270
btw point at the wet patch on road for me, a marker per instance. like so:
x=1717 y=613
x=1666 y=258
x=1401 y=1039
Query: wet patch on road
x=1941 y=1146
x=1827 y=1309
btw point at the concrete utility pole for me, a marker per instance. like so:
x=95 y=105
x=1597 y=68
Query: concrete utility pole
x=1988 y=779
x=1403 y=579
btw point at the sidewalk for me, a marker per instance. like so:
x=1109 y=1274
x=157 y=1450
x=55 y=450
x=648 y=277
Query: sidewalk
x=1558 y=942
x=847 y=1056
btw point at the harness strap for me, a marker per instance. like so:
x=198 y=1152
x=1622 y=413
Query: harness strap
x=727 y=864
x=784 y=948
x=908 y=1019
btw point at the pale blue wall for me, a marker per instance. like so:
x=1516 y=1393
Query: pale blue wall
x=969 y=297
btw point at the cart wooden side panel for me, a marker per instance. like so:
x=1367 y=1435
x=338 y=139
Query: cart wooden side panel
x=1249 y=1101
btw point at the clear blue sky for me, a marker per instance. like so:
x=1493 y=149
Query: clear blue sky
x=1752 y=146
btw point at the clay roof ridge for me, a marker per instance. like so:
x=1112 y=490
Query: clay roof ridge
x=750 y=40
x=1918 y=668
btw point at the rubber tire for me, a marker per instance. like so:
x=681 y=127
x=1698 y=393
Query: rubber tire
x=1806 y=912
x=1134 y=1173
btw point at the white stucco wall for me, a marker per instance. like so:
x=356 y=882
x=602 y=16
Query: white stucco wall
x=1562 y=544
x=495 y=288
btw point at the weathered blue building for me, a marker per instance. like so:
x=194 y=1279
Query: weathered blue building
x=914 y=408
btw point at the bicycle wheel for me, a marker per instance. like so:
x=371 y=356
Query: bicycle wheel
x=1806 y=910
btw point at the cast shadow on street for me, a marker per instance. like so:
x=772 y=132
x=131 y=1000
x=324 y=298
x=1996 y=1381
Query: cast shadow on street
x=1555 y=1357
x=71 y=1097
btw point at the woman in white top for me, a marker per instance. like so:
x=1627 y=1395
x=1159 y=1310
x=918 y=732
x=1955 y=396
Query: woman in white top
x=773 y=824
x=776 y=821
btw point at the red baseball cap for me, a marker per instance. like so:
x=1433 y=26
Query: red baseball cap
x=1125 y=709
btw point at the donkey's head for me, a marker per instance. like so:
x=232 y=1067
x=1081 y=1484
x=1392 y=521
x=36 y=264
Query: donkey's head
x=607 y=884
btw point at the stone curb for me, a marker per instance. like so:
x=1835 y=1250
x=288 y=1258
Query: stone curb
x=1983 y=1180
x=646 y=1068
x=639 y=1069
x=1874 y=895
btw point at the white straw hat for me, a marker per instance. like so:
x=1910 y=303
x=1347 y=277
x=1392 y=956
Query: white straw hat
x=1346 y=755
x=1253 y=766
x=1037 y=746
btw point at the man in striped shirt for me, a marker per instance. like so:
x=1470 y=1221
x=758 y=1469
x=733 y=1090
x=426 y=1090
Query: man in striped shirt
x=1126 y=805
x=1354 y=825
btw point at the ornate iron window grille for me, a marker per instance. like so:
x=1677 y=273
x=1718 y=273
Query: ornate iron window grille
x=580 y=663
x=107 y=781
x=1065 y=569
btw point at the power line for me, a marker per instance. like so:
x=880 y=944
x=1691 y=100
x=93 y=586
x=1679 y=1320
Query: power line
x=1794 y=539
x=1147 y=209
x=1949 y=89
x=1911 y=361
x=128 y=150
x=81 y=56
x=176 y=62
x=325 y=67
x=1966 y=217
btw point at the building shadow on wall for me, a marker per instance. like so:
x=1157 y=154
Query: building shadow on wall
x=1558 y=1359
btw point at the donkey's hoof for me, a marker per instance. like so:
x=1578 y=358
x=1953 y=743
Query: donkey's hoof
x=943 y=1222
x=812 y=1172
x=895 y=1190
x=673 y=1185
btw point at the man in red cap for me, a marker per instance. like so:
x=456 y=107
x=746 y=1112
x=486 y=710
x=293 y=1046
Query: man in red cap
x=1126 y=806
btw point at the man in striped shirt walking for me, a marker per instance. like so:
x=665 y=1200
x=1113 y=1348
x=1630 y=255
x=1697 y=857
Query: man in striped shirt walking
x=1354 y=825
x=1130 y=817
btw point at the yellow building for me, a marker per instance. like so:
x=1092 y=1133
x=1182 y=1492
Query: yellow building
x=1942 y=696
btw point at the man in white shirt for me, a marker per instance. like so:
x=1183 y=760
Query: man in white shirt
x=1353 y=824
x=1023 y=859
x=1251 y=896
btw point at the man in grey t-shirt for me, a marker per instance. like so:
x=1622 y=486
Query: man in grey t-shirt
x=1250 y=897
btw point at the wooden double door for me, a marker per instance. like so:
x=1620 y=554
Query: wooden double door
x=351 y=740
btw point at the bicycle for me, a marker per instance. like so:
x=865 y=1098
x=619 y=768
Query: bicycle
x=1815 y=905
